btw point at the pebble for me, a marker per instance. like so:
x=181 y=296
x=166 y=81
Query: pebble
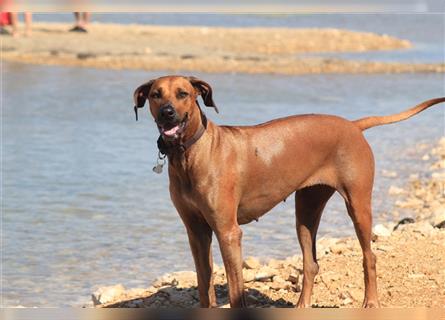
x=252 y=299
x=384 y=248
x=389 y=174
x=440 y=225
x=264 y=276
x=294 y=278
x=402 y=222
x=393 y=190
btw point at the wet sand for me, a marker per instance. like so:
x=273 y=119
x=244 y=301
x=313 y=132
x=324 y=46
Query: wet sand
x=206 y=49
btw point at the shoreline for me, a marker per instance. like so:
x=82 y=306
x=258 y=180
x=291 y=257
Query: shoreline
x=410 y=262
x=208 y=49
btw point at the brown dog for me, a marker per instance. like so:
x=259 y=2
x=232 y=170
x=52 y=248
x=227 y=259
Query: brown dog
x=222 y=177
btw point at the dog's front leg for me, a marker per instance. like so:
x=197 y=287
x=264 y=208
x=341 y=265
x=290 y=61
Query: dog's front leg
x=200 y=239
x=229 y=238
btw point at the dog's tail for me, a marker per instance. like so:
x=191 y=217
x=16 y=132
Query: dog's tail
x=369 y=122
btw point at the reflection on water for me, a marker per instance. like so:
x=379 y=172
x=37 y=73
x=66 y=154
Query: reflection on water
x=83 y=208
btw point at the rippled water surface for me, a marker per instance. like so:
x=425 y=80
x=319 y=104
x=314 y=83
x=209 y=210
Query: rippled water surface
x=82 y=208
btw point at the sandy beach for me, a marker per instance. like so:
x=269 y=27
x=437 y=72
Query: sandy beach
x=410 y=262
x=207 y=49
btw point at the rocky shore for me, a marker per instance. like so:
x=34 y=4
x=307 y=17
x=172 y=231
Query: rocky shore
x=207 y=49
x=410 y=263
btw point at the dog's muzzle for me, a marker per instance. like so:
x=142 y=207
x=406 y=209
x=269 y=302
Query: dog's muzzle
x=169 y=124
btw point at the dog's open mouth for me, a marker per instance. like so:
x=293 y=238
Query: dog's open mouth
x=173 y=130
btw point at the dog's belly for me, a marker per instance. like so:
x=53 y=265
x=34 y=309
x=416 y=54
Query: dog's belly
x=267 y=191
x=263 y=196
x=256 y=209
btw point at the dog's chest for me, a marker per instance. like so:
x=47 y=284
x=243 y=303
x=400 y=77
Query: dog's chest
x=187 y=191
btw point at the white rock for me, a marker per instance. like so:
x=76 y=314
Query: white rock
x=438 y=176
x=107 y=294
x=393 y=190
x=424 y=228
x=264 y=276
x=381 y=231
x=389 y=174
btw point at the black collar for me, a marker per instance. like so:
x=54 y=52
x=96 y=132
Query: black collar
x=168 y=148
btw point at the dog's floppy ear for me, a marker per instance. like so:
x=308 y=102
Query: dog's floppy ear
x=205 y=90
x=141 y=95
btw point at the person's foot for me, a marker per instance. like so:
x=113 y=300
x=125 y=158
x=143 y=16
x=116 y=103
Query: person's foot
x=78 y=29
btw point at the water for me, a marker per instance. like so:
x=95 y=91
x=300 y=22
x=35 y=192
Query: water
x=82 y=208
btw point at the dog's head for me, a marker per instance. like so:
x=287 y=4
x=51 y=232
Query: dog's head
x=172 y=102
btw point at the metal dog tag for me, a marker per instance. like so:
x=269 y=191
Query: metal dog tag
x=159 y=165
x=158 y=168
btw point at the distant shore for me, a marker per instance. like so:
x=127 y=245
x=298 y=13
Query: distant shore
x=207 y=49
x=410 y=262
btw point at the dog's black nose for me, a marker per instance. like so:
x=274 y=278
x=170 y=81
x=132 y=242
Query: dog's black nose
x=167 y=112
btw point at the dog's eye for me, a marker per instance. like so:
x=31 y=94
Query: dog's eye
x=156 y=95
x=182 y=94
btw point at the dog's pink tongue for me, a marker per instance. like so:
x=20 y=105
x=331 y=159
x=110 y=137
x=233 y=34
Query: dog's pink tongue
x=172 y=131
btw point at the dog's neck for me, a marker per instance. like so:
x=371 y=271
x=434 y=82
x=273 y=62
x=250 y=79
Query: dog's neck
x=181 y=167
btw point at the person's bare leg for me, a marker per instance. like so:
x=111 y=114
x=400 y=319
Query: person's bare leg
x=77 y=18
x=14 y=24
x=86 y=18
x=28 y=23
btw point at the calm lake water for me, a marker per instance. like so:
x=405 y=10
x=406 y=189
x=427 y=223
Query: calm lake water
x=82 y=208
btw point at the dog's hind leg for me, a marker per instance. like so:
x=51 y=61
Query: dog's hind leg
x=309 y=205
x=358 y=203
